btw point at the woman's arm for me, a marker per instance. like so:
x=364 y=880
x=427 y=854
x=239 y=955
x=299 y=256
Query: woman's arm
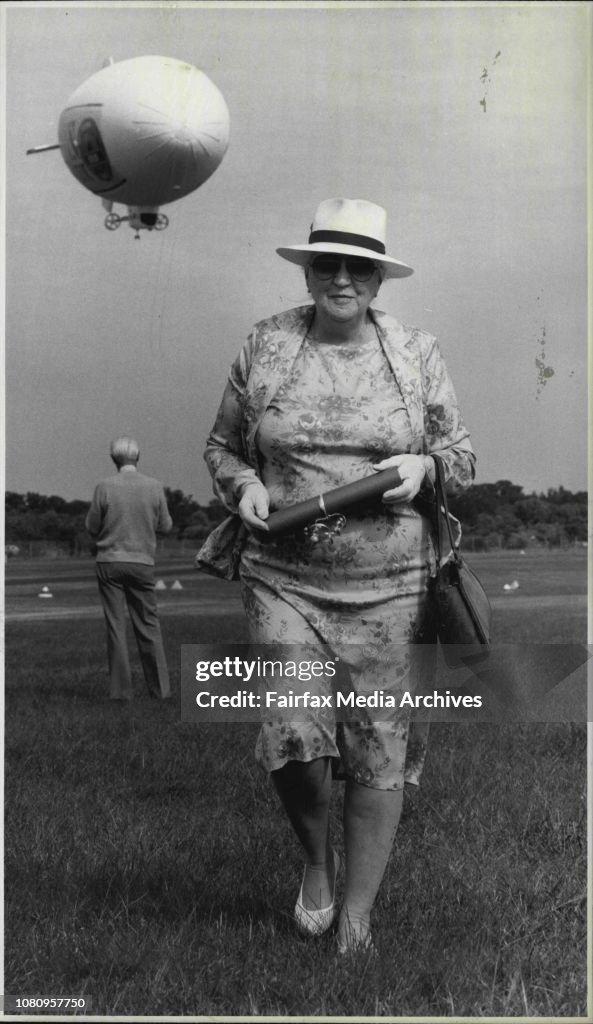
x=444 y=430
x=225 y=453
x=444 y=434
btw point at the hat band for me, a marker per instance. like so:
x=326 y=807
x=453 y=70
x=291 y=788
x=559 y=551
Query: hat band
x=346 y=238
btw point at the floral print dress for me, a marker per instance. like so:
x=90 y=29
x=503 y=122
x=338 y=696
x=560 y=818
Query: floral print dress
x=360 y=594
x=304 y=417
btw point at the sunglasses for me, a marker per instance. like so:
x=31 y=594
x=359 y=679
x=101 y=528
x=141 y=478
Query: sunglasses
x=357 y=267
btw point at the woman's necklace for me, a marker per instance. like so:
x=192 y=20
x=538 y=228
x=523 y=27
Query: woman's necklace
x=325 y=354
x=335 y=356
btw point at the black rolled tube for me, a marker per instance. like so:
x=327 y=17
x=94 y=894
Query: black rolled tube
x=349 y=496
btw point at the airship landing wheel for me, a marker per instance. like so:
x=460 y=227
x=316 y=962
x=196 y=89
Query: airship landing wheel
x=162 y=222
x=112 y=221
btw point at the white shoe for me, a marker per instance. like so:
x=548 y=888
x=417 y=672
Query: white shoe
x=359 y=947
x=316 y=922
x=357 y=943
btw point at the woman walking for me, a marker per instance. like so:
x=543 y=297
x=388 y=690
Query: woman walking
x=321 y=396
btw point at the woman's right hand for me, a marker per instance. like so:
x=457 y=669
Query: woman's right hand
x=254 y=506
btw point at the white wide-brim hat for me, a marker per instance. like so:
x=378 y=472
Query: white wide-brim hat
x=351 y=227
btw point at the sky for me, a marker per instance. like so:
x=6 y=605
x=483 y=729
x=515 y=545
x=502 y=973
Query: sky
x=468 y=123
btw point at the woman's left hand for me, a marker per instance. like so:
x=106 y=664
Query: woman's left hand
x=412 y=469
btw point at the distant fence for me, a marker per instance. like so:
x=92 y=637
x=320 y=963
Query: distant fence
x=173 y=547
x=42 y=549
x=169 y=547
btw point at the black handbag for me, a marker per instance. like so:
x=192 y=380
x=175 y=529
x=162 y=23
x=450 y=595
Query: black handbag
x=460 y=607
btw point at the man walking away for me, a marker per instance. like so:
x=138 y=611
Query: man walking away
x=127 y=512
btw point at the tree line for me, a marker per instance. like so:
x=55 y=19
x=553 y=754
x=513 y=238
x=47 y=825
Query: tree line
x=493 y=516
x=35 y=518
x=502 y=515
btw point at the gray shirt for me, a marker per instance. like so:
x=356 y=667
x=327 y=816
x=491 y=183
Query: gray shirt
x=126 y=514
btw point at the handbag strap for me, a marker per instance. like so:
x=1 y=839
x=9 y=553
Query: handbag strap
x=443 y=510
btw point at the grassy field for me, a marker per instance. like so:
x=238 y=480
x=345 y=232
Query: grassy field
x=148 y=865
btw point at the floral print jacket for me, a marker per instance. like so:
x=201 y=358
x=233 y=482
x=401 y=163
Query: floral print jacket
x=262 y=367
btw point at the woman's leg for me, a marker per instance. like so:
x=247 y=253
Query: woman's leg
x=371 y=817
x=374 y=753
x=304 y=788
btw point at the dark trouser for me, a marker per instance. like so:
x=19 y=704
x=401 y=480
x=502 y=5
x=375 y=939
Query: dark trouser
x=131 y=584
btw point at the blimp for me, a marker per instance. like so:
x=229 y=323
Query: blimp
x=143 y=132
